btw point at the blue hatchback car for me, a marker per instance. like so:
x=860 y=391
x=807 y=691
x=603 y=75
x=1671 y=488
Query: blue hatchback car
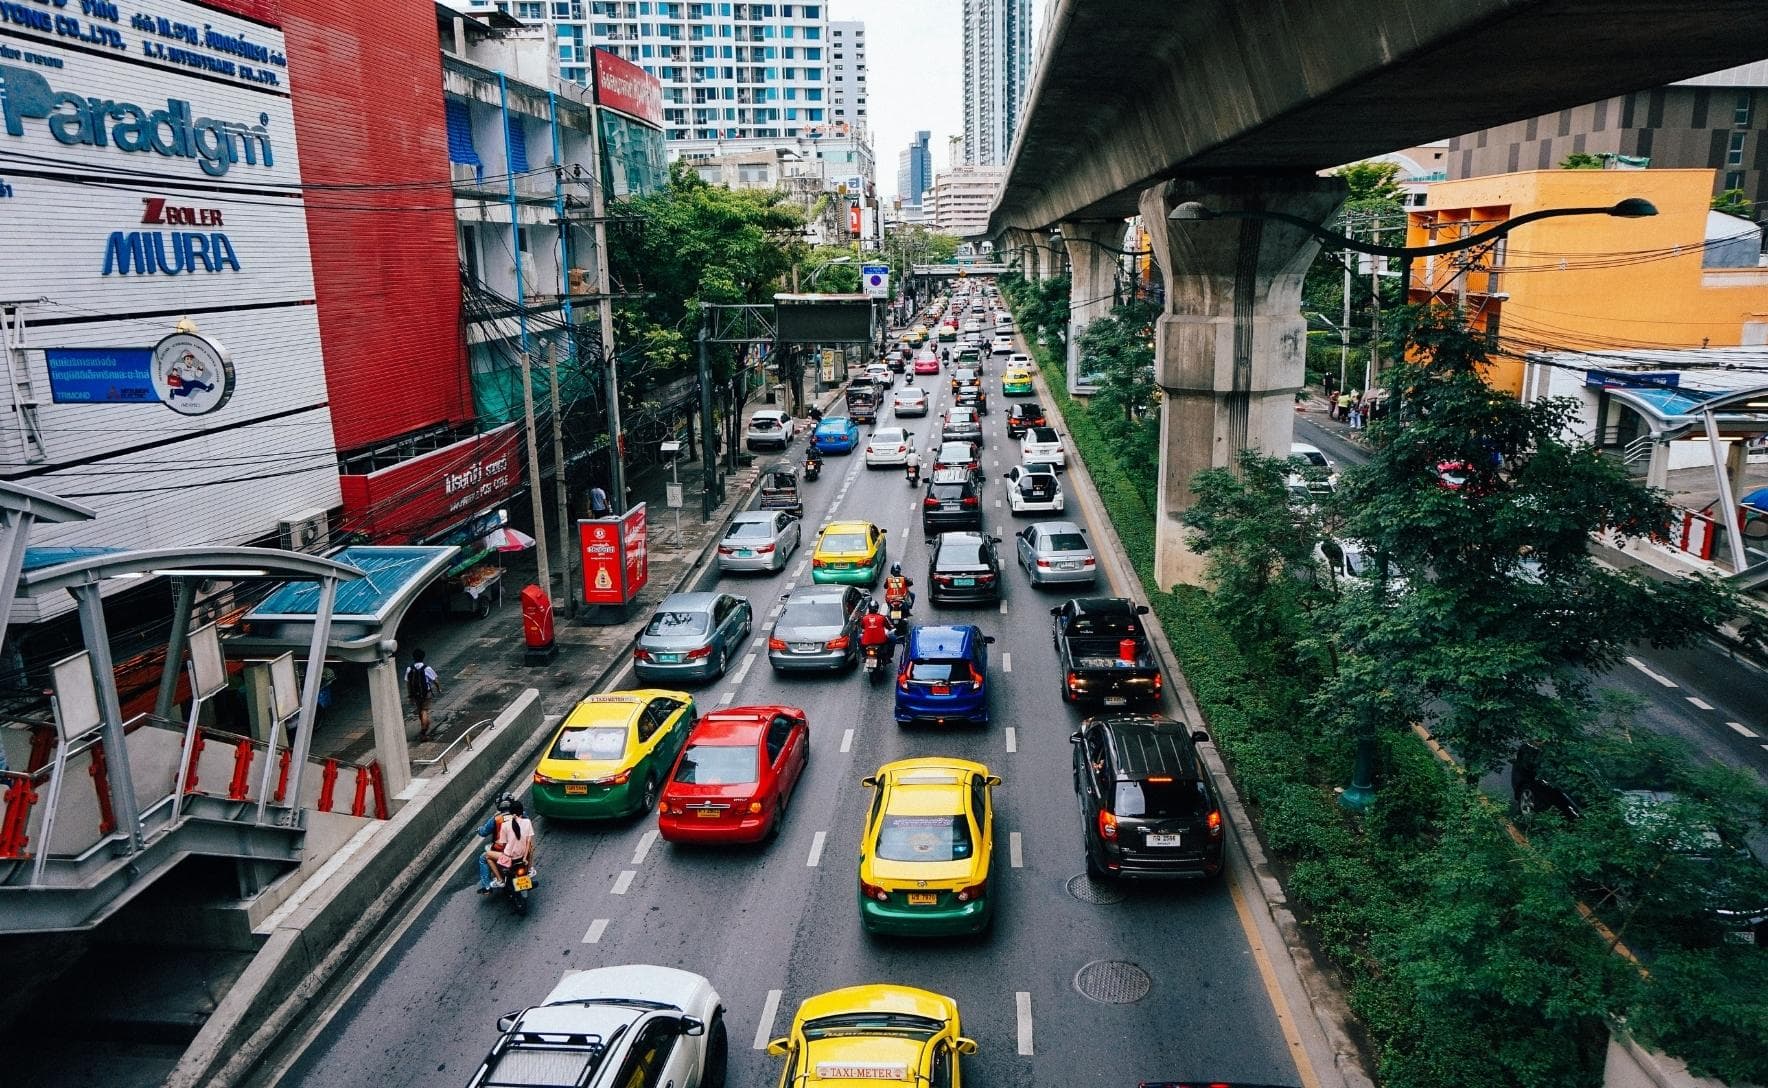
x=943 y=677
x=835 y=434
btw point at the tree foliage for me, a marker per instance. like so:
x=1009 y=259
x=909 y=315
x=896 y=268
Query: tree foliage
x=1735 y=202
x=1371 y=182
x=1581 y=160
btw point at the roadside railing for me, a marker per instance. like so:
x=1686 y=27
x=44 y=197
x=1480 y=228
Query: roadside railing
x=467 y=736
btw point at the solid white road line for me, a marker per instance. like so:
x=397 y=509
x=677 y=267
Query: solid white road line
x=645 y=842
x=764 y=1030
x=816 y=849
x=1007 y=662
x=847 y=740
x=1743 y=730
x=623 y=881
x=743 y=669
x=1016 y=850
x=1646 y=669
x=596 y=929
x=1022 y=1005
x=1700 y=704
x=1012 y=740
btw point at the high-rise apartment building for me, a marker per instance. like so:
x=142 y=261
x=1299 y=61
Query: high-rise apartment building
x=847 y=75
x=914 y=169
x=997 y=76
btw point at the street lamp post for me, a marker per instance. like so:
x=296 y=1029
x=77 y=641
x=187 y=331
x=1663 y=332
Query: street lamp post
x=1360 y=795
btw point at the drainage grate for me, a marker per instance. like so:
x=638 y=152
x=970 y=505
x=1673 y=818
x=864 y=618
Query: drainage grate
x=1113 y=982
x=1088 y=890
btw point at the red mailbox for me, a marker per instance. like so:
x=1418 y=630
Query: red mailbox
x=537 y=620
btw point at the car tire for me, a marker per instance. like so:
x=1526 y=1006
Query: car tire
x=718 y=1052
x=1526 y=803
x=1095 y=871
x=648 y=799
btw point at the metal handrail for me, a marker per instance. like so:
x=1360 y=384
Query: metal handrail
x=466 y=735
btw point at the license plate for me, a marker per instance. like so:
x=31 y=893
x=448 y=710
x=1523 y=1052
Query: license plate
x=1155 y=839
x=1115 y=700
x=746 y=553
x=576 y=791
x=963 y=581
x=707 y=813
x=806 y=647
x=942 y=689
x=667 y=659
x=524 y=883
x=1068 y=566
x=923 y=899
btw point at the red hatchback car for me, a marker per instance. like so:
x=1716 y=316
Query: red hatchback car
x=735 y=775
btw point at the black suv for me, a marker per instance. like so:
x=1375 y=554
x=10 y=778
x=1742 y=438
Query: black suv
x=954 y=501
x=964 y=568
x=1148 y=805
x=1027 y=413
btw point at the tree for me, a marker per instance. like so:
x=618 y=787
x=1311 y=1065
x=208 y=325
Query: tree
x=1582 y=160
x=1502 y=614
x=1735 y=202
x=1374 y=181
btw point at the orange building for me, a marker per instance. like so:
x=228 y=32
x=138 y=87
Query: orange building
x=1687 y=277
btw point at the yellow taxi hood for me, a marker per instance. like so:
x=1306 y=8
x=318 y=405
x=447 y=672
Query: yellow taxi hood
x=863 y=1059
x=880 y=998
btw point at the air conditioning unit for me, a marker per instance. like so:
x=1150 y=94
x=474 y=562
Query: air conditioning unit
x=308 y=532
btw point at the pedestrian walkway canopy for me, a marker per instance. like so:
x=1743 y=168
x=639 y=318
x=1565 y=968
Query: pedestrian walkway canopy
x=367 y=612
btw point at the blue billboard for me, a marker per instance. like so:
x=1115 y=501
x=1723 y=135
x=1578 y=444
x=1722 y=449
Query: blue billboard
x=101 y=375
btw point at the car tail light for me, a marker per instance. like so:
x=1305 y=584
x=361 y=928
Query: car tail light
x=975 y=678
x=662 y=808
x=1089 y=562
x=1073 y=680
x=902 y=681
x=695 y=655
x=974 y=891
x=754 y=808
x=1044 y=564
x=1108 y=825
x=1215 y=823
x=765 y=549
x=985 y=578
x=970 y=500
x=1158 y=680
x=839 y=643
x=542 y=780
x=722 y=550
x=930 y=501
x=872 y=891
x=640 y=654
x=616 y=780
x=776 y=643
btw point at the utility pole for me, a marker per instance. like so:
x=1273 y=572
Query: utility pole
x=1344 y=326
x=1374 y=366
x=598 y=207
x=536 y=492
x=708 y=433
x=562 y=492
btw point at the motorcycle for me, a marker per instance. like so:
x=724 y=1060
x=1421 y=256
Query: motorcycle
x=875 y=660
x=518 y=883
x=913 y=472
x=813 y=467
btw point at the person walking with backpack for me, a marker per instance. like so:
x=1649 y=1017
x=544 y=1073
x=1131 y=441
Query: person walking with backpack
x=422 y=685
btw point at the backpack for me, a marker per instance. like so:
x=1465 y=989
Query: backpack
x=417 y=681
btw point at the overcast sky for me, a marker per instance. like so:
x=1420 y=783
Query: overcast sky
x=915 y=76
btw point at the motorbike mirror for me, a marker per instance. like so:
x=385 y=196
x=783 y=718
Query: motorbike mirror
x=693 y=1025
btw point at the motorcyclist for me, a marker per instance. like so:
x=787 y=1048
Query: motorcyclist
x=874 y=630
x=899 y=589
x=512 y=840
x=912 y=467
x=813 y=463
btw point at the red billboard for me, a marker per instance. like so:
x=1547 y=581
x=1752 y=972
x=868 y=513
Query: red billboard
x=616 y=558
x=853 y=219
x=417 y=499
x=624 y=86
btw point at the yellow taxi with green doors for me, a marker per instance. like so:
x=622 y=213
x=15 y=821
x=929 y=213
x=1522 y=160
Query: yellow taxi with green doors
x=848 y=553
x=928 y=843
x=612 y=754
x=864 y=1035
x=1016 y=382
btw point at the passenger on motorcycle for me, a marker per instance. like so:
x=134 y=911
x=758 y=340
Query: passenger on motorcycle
x=512 y=841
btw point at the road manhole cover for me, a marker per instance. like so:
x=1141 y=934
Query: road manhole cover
x=1113 y=982
x=1088 y=890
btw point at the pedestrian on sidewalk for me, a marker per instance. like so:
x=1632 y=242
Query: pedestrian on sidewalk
x=598 y=502
x=1356 y=411
x=422 y=684
x=1329 y=389
x=1345 y=400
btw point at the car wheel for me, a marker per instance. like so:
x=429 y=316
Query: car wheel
x=718 y=1050
x=1526 y=802
x=648 y=800
x=1094 y=870
x=723 y=663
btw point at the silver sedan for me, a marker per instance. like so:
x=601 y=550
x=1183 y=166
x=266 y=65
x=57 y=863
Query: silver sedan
x=910 y=401
x=692 y=636
x=760 y=540
x=818 y=629
x=1056 y=551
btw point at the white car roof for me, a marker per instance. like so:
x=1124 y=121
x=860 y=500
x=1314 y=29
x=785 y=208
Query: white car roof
x=644 y=981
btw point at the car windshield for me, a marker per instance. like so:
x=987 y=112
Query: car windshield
x=924 y=838
x=1180 y=797
x=750 y=530
x=959 y=554
x=677 y=623
x=844 y=543
x=763 y=423
x=1065 y=542
x=871 y=1023
x=1037 y=481
x=718 y=765
x=590 y=742
x=812 y=614
x=936 y=672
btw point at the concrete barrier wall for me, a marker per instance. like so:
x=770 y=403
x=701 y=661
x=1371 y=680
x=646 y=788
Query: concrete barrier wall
x=1629 y=1065
x=323 y=933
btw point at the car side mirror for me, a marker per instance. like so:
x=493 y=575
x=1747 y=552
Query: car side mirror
x=1074 y=738
x=507 y=1022
x=1056 y=611
x=993 y=780
x=778 y=1048
x=988 y=640
x=996 y=539
x=1141 y=610
x=870 y=781
x=964 y=1047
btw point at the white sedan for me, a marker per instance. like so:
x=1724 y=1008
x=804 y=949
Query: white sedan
x=1003 y=345
x=910 y=401
x=1019 y=358
x=1043 y=444
x=1033 y=489
x=889 y=446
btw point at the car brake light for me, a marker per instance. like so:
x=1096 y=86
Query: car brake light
x=974 y=891
x=985 y=577
x=1159 y=778
x=840 y=643
x=1107 y=825
x=616 y=780
x=930 y=501
x=1215 y=824
x=970 y=500
x=1088 y=562
x=754 y=807
x=872 y=891
x=1158 y=680
x=1044 y=563
x=776 y=643
x=640 y=655
x=722 y=550
x=1073 y=680
x=765 y=549
x=695 y=655
x=541 y=780
x=975 y=678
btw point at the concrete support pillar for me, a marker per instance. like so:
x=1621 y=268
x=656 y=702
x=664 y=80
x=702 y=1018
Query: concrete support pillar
x=1657 y=470
x=1017 y=250
x=1093 y=262
x=260 y=700
x=388 y=712
x=1230 y=350
x=1049 y=257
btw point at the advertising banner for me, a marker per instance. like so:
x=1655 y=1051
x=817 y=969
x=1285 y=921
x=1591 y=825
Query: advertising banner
x=616 y=558
x=416 y=499
x=624 y=86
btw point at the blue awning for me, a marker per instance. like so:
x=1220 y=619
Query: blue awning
x=460 y=133
x=389 y=576
x=518 y=143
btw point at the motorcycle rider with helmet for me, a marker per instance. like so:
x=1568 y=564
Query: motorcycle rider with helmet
x=874 y=631
x=899 y=589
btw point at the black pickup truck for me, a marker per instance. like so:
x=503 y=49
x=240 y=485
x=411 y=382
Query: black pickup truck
x=1090 y=635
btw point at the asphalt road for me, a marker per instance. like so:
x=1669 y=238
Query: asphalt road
x=775 y=924
x=1702 y=693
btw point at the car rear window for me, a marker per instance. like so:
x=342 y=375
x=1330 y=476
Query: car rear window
x=959 y=553
x=763 y=423
x=718 y=765
x=1156 y=799
x=946 y=491
x=1036 y=483
x=1042 y=434
x=590 y=742
x=938 y=672
x=750 y=530
x=887 y=436
x=844 y=543
x=1112 y=624
x=677 y=623
x=924 y=838
x=1067 y=542
x=812 y=614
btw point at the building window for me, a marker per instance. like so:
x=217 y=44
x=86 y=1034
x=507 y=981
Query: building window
x=1734 y=179
x=1734 y=155
x=1740 y=114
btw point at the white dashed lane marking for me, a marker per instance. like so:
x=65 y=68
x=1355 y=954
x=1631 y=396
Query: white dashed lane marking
x=764 y=1030
x=645 y=842
x=1007 y=662
x=743 y=669
x=816 y=849
x=623 y=882
x=596 y=929
x=1699 y=704
x=1012 y=740
x=847 y=740
x=1743 y=730
x=727 y=697
x=1022 y=1006
x=1647 y=670
x=1016 y=850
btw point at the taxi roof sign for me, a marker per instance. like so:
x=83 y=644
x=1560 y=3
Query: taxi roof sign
x=858 y=1071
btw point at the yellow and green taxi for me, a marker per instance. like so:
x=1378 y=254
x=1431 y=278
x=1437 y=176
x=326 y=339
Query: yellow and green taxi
x=925 y=853
x=1016 y=382
x=918 y=334
x=872 y=1034
x=612 y=754
x=848 y=553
